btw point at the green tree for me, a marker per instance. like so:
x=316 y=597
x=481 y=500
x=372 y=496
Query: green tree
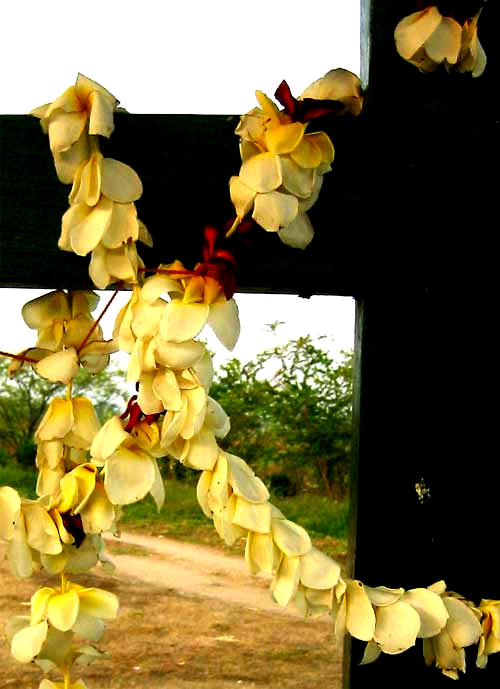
x=291 y=408
x=24 y=398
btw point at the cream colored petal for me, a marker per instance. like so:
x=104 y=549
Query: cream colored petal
x=260 y=552
x=381 y=595
x=10 y=506
x=123 y=263
x=65 y=129
x=166 y=389
x=218 y=485
x=146 y=317
x=274 y=210
x=41 y=532
x=244 y=482
x=253 y=517
x=109 y=438
x=308 y=154
x=204 y=370
x=396 y=628
x=444 y=43
x=87 y=183
x=39 y=601
x=129 y=476
x=95 y=355
x=67 y=162
x=430 y=608
x=262 y=173
x=62 y=610
x=286 y=580
x=447 y=655
x=242 y=196
x=338 y=84
x=101 y=115
x=60 y=367
x=181 y=322
x=340 y=615
x=18 y=552
x=202 y=491
x=223 y=522
x=360 y=616
x=216 y=419
x=43 y=311
x=413 y=31
x=178 y=355
x=319 y=601
x=98 y=267
x=98 y=514
x=57 y=420
x=196 y=407
x=98 y=603
x=438 y=587
x=291 y=538
x=122 y=227
x=462 y=626
x=27 y=643
x=158 y=284
x=172 y=424
x=297 y=180
x=144 y=234
x=299 y=233
x=120 y=182
x=318 y=571
x=284 y=138
x=86 y=225
x=224 y=320
x=56 y=649
x=203 y=452
x=324 y=143
x=157 y=490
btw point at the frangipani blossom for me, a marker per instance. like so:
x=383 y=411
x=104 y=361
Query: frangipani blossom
x=338 y=85
x=29 y=530
x=130 y=470
x=427 y=38
x=64 y=323
x=490 y=635
x=281 y=163
x=462 y=629
x=81 y=112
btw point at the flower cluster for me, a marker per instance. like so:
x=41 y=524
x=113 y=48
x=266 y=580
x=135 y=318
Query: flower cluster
x=67 y=336
x=427 y=39
x=282 y=163
x=102 y=217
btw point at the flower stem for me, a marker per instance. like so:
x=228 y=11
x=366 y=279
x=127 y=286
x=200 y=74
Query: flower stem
x=94 y=326
x=19 y=357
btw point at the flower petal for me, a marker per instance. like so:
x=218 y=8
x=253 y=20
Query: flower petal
x=274 y=210
x=120 y=182
x=129 y=476
x=396 y=628
x=262 y=172
x=62 y=610
x=26 y=644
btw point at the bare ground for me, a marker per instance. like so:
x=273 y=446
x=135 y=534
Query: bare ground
x=190 y=617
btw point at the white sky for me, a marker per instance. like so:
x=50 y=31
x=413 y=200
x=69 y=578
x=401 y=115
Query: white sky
x=195 y=56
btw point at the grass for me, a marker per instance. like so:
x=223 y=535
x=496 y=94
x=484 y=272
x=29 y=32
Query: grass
x=181 y=516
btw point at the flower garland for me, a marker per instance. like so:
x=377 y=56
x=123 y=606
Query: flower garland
x=86 y=473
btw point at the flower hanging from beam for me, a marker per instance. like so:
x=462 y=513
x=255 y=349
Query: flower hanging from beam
x=428 y=38
x=282 y=163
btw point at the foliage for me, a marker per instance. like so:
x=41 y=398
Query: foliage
x=24 y=398
x=298 y=418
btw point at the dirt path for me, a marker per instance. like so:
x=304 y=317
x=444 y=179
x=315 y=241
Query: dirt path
x=196 y=569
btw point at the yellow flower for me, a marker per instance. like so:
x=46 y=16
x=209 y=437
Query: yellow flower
x=29 y=530
x=462 y=629
x=282 y=169
x=130 y=471
x=427 y=39
x=63 y=321
x=340 y=85
x=82 y=111
x=490 y=636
